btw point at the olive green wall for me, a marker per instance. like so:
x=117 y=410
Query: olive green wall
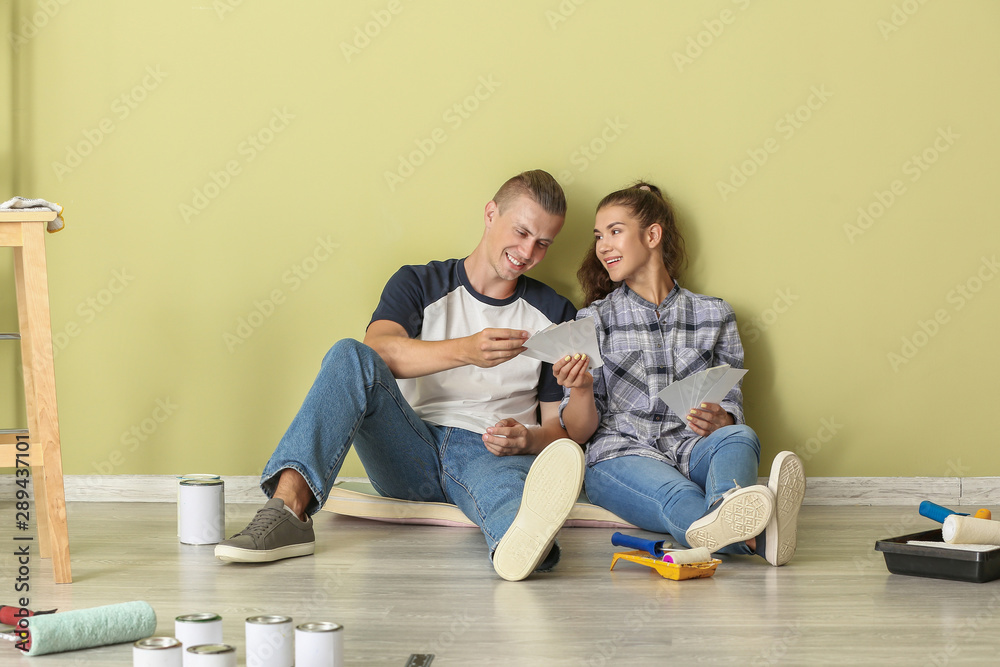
x=240 y=179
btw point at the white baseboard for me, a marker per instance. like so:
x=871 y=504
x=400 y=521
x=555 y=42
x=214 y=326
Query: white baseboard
x=947 y=491
x=146 y=488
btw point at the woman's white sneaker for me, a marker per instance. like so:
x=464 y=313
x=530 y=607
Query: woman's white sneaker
x=743 y=513
x=788 y=484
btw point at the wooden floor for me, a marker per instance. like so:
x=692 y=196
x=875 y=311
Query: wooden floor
x=400 y=590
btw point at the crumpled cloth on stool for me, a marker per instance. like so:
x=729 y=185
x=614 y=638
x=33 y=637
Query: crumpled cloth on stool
x=23 y=202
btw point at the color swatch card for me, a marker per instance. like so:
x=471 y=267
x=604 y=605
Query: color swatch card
x=573 y=337
x=708 y=386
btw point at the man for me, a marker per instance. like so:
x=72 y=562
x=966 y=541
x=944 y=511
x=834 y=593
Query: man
x=468 y=414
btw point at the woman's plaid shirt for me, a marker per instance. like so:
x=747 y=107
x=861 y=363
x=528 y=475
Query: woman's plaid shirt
x=644 y=348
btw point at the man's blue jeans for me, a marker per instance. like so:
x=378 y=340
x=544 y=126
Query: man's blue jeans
x=655 y=496
x=355 y=398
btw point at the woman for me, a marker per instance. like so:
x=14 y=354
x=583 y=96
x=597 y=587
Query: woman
x=693 y=476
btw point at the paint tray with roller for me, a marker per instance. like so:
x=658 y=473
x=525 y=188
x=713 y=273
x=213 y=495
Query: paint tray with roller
x=918 y=555
x=698 y=564
x=675 y=571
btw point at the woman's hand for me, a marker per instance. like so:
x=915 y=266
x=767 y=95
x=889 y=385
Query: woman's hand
x=709 y=418
x=571 y=372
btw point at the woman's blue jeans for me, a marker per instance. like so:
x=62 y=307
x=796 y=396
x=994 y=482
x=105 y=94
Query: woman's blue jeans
x=355 y=399
x=655 y=496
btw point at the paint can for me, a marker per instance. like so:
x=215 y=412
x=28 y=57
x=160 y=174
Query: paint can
x=197 y=629
x=270 y=641
x=157 y=652
x=183 y=477
x=319 y=644
x=180 y=478
x=210 y=655
x=202 y=511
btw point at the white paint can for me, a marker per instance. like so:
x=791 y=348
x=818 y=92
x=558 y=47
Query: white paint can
x=270 y=641
x=197 y=629
x=319 y=644
x=210 y=655
x=183 y=477
x=156 y=652
x=202 y=511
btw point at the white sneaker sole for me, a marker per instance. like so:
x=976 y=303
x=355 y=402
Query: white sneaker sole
x=551 y=489
x=741 y=515
x=788 y=483
x=236 y=555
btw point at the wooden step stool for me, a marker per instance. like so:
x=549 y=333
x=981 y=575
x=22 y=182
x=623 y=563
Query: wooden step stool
x=38 y=446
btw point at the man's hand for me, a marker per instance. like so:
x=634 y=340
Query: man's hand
x=508 y=438
x=411 y=357
x=492 y=347
x=571 y=371
x=708 y=418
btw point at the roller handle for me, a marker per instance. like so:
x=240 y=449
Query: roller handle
x=649 y=546
x=13 y=615
x=936 y=512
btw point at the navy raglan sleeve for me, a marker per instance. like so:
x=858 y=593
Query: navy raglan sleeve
x=402 y=301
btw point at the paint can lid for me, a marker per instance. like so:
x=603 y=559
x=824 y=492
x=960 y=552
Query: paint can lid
x=198 y=475
x=319 y=626
x=211 y=649
x=155 y=643
x=200 y=617
x=269 y=619
x=201 y=482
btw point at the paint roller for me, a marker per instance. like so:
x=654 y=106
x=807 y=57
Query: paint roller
x=649 y=546
x=936 y=512
x=970 y=530
x=86 y=628
x=688 y=556
x=679 y=556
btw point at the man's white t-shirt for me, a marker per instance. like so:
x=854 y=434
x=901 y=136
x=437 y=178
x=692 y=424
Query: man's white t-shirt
x=436 y=302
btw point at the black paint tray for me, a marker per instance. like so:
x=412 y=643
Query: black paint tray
x=920 y=561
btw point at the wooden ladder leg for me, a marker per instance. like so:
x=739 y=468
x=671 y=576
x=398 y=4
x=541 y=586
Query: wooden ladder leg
x=40 y=397
x=41 y=509
x=27 y=368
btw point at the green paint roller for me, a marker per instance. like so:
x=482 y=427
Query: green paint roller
x=88 y=628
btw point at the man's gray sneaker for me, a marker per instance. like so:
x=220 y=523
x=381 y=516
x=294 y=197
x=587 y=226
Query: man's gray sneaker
x=274 y=533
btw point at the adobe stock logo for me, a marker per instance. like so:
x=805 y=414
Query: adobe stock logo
x=696 y=45
x=786 y=126
x=959 y=297
x=122 y=107
x=223 y=7
x=784 y=299
x=137 y=435
x=900 y=16
x=247 y=150
x=30 y=27
x=587 y=153
x=363 y=35
x=914 y=167
x=455 y=116
x=263 y=309
x=90 y=308
x=562 y=13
